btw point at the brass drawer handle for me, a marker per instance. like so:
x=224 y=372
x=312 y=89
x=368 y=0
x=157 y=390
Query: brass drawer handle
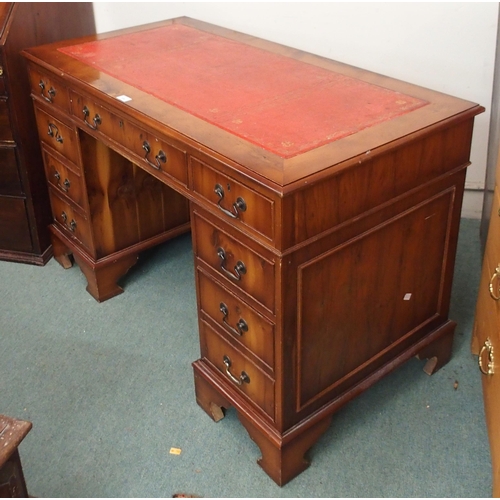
x=53 y=131
x=492 y=291
x=238 y=206
x=239 y=269
x=51 y=93
x=160 y=158
x=490 y=367
x=97 y=119
x=241 y=325
x=244 y=378
x=65 y=185
x=72 y=225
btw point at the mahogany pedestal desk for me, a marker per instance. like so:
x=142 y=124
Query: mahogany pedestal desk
x=324 y=203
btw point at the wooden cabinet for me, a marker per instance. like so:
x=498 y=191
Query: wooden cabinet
x=24 y=202
x=324 y=235
x=486 y=333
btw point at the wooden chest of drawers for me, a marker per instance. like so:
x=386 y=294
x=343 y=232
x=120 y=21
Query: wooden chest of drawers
x=486 y=333
x=24 y=202
x=324 y=237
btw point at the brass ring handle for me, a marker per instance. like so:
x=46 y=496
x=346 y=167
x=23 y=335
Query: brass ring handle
x=65 y=185
x=53 y=131
x=239 y=269
x=241 y=325
x=238 y=206
x=244 y=378
x=72 y=225
x=161 y=157
x=97 y=119
x=490 y=367
x=51 y=93
x=492 y=291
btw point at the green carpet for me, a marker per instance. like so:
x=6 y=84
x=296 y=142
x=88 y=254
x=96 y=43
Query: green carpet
x=109 y=389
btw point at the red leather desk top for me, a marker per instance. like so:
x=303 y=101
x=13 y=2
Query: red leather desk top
x=280 y=104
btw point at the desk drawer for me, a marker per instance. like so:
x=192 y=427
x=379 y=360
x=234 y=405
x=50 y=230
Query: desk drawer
x=75 y=225
x=57 y=135
x=493 y=241
x=149 y=149
x=491 y=260
x=231 y=198
x=5 y=128
x=3 y=90
x=232 y=259
x=243 y=375
x=10 y=181
x=14 y=228
x=64 y=179
x=243 y=325
x=49 y=89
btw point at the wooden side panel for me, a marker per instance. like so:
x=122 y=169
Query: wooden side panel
x=357 y=190
x=368 y=294
x=363 y=294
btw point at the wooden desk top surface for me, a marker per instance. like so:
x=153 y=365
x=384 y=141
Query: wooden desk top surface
x=281 y=114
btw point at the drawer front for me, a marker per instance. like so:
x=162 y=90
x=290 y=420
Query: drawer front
x=63 y=179
x=75 y=225
x=493 y=241
x=244 y=375
x=229 y=197
x=14 y=229
x=491 y=260
x=150 y=151
x=487 y=320
x=10 y=181
x=240 y=322
x=57 y=135
x=49 y=88
x=5 y=129
x=235 y=262
x=3 y=90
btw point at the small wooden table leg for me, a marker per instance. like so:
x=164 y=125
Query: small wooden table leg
x=284 y=457
x=102 y=278
x=12 y=482
x=61 y=252
x=438 y=353
x=210 y=400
